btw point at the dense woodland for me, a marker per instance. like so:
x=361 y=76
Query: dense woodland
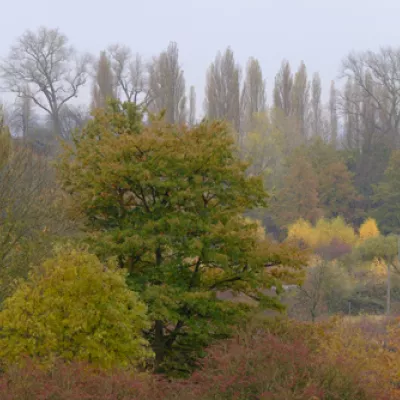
x=152 y=250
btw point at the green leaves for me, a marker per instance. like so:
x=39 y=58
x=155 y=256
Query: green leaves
x=168 y=201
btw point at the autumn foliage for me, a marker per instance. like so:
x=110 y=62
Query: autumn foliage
x=280 y=360
x=75 y=309
x=323 y=233
x=168 y=202
x=369 y=229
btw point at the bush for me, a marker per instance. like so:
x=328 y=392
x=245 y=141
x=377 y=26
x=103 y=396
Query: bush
x=74 y=381
x=74 y=308
x=281 y=360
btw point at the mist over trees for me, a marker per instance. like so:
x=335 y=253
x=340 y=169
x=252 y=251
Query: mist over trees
x=357 y=124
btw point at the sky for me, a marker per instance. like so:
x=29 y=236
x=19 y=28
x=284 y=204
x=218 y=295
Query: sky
x=319 y=32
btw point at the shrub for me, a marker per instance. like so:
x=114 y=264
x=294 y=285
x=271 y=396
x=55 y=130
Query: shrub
x=73 y=381
x=281 y=360
x=74 y=308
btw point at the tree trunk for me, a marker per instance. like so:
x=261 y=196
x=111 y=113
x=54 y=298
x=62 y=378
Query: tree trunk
x=158 y=256
x=159 y=339
x=57 y=124
x=159 y=344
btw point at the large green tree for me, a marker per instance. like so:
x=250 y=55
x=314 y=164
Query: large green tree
x=168 y=202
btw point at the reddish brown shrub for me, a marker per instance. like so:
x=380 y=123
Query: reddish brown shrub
x=254 y=365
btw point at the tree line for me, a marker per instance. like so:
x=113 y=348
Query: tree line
x=316 y=159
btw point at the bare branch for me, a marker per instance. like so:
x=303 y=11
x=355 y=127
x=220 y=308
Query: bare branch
x=42 y=66
x=130 y=74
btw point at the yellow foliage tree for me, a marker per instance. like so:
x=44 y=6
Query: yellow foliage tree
x=302 y=231
x=369 y=229
x=74 y=308
x=323 y=233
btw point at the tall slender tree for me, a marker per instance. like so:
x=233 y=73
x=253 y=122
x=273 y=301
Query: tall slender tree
x=333 y=115
x=254 y=93
x=300 y=99
x=22 y=118
x=283 y=89
x=316 y=106
x=104 y=82
x=167 y=85
x=222 y=97
x=192 y=106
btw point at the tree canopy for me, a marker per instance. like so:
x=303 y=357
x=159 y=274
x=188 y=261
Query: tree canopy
x=168 y=202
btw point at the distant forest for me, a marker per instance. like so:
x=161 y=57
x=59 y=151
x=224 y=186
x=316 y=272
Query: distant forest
x=317 y=160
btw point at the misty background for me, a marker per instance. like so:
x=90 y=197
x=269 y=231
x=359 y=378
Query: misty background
x=318 y=32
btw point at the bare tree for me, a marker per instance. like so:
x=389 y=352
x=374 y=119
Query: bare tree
x=222 y=100
x=22 y=118
x=371 y=106
x=377 y=77
x=253 y=96
x=192 y=106
x=32 y=212
x=45 y=63
x=73 y=118
x=283 y=89
x=316 y=106
x=311 y=293
x=130 y=74
x=347 y=106
x=167 y=85
x=104 y=82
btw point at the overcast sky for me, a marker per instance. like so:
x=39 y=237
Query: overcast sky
x=320 y=32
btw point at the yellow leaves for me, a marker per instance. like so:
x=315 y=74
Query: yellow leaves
x=379 y=267
x=211 y=275
x=369 y=229
x=302 y=230
x=368 y=343
x=74 y=308
x=259 y=229
x=323 y=233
